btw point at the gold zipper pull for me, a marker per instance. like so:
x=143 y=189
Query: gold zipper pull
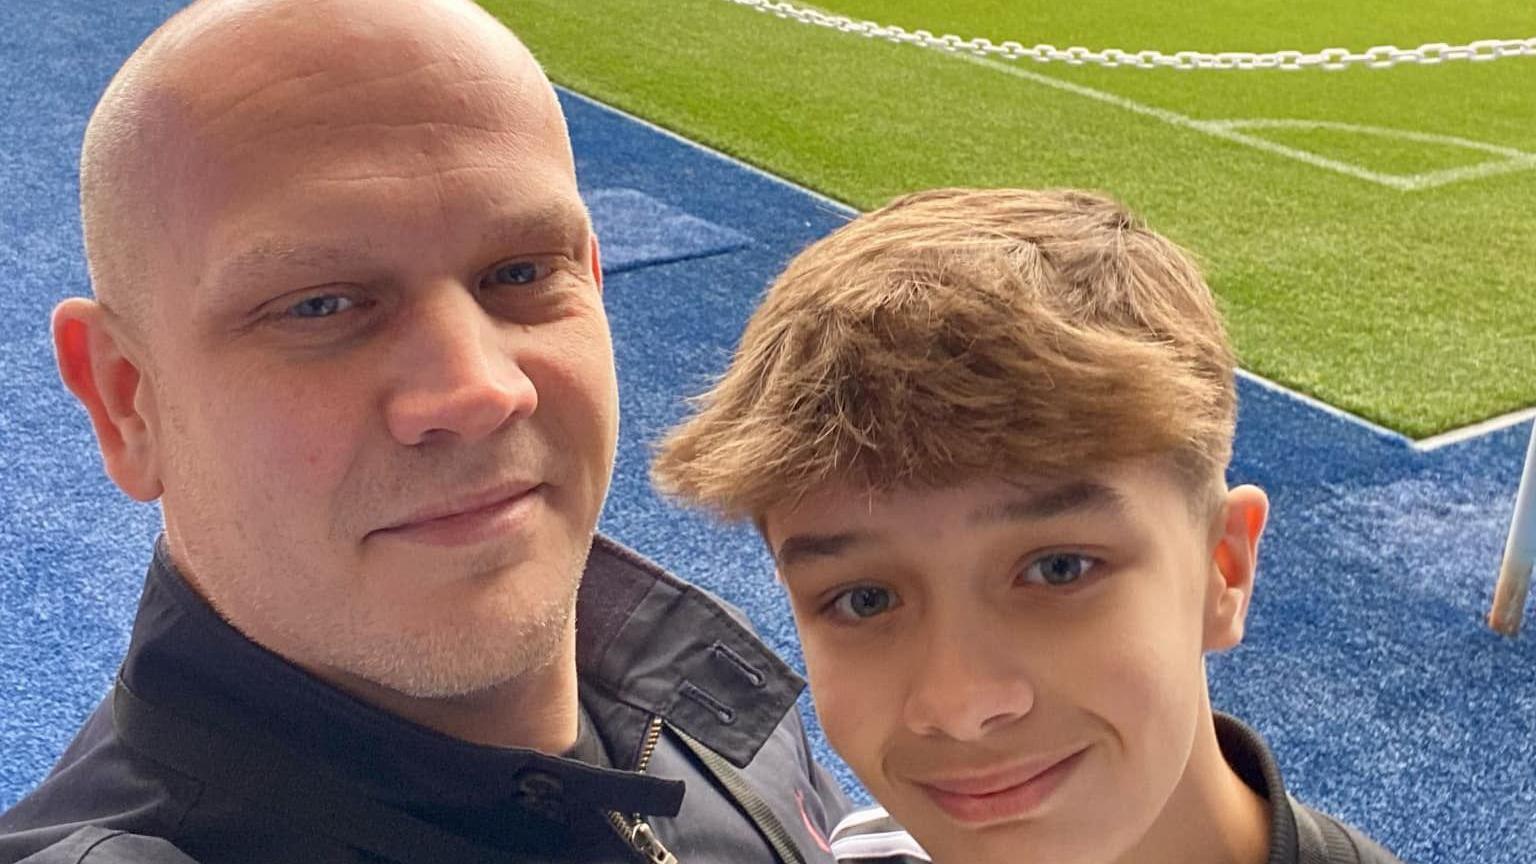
x=637 y=833
x=648 y=844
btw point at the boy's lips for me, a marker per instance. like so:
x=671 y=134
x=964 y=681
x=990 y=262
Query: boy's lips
x=997 y=796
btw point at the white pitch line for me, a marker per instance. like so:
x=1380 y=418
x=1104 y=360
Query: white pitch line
x=1472 y=172
x=1422 y=445
x=1331 y=410
x=1476 y=430
x=831 y=203
x=1223 y=130
x=1378 y=131
x=1514 y=159
x=1226 y=130
x=1465 y=433
x=1214 y=129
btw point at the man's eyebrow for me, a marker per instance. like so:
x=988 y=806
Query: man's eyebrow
x=266 y=255
x=566 y=218
x=801 y=547
x=563 y=215
x=1077 y=496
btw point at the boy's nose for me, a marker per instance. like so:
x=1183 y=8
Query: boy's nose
x=966 y=688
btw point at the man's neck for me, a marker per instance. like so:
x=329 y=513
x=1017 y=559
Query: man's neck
x=537 y=710
x=1213 y=817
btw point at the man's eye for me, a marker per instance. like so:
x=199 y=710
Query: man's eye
x=323 y=306
x=858 y=604
x=515 y=273
x=1061 y=568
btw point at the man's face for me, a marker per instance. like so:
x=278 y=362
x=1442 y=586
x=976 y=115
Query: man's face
x=1013 y=670
x=382 y=380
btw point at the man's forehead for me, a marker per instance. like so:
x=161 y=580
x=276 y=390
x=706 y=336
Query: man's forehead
x=232 y=102
x=284 y=24
x=338 y=58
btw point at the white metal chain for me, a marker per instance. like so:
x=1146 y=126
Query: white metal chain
x=1379 y=57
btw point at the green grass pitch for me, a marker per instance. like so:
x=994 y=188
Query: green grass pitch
x=1413 y=308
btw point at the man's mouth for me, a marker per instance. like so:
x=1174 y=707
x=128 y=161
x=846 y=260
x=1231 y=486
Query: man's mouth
x=470 y=519
x=1001 y=795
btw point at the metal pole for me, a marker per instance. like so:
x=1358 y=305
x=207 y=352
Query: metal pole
x=1519 y=553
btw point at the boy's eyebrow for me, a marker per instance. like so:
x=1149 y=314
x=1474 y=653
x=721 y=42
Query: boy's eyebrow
x=802 y=546
x=1073 y=497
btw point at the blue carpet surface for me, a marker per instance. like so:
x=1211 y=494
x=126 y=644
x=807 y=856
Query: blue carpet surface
x=1366 y=664
x=639 y=231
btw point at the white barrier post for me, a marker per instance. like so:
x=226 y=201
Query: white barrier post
x=1519 y=553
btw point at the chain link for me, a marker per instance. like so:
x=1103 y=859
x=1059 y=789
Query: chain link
x=1378 y=57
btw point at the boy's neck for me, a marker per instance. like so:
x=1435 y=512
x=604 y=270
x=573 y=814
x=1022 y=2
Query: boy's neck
x=1213 y=817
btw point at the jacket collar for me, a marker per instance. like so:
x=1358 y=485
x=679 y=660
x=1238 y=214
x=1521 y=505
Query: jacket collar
x=1250 y=757
x=665 y=647
x=648 y=643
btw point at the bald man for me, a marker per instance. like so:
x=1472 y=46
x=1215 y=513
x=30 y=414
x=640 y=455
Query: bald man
x=348 y=330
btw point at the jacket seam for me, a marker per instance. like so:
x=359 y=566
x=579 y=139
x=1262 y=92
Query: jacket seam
x=99 y=841
x=195 y=799
x=199 y=785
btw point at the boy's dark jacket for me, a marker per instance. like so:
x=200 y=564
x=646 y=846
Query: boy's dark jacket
x=226 y=752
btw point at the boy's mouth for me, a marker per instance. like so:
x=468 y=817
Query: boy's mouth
x=999 y=796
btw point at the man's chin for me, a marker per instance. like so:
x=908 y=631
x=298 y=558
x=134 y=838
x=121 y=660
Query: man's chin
x=470 y=658
x=451 y=682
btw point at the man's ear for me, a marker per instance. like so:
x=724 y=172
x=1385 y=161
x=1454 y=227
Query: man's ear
x=97 y=368
x=597 y=263
x=1234 y=559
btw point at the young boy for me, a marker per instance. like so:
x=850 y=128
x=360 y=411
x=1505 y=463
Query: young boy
x=985 y=434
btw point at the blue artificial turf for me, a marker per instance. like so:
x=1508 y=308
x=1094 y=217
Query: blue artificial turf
x=1366 y=662
x=639 y=231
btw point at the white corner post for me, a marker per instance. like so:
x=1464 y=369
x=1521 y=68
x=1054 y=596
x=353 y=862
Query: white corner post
x=1519 y=553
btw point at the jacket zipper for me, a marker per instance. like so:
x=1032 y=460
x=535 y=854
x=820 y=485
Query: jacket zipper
x=634 y=830
x=755 y=807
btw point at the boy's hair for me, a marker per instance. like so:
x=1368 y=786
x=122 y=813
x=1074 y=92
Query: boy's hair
x=956 y=334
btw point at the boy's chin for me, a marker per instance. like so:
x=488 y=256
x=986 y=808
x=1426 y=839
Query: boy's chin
x=1057 y=833
x=1014 y=843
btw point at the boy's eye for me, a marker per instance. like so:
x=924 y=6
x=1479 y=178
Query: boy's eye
x=866 y=601
x=1061 y=568
x=322 y=306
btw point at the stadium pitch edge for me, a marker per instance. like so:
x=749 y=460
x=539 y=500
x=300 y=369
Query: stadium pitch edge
x=1425 y=445
x=1400 y=296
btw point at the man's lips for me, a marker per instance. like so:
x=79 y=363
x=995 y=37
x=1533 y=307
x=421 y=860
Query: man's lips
x=470 y=518
x=994 y=796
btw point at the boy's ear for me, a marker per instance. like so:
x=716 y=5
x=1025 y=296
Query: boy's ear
x=1234 y=559
x=97 y=368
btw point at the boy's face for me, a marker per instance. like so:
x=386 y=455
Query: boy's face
x=1015 y=669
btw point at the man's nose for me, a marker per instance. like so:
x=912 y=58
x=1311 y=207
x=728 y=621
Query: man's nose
x=458 y=373
x=966 y=686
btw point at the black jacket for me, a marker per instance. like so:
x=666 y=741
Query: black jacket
x=1297 y=833
x=214 y=749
